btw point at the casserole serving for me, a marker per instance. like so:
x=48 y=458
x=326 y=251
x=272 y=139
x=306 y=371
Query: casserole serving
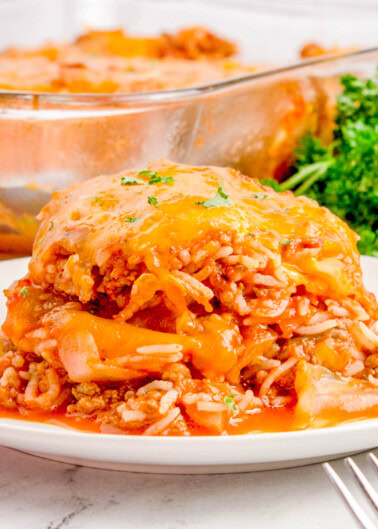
x=184 y=300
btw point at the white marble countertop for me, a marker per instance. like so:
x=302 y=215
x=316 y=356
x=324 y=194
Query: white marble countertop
x=40 y=494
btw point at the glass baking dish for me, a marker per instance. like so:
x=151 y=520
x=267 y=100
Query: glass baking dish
x=48 y=141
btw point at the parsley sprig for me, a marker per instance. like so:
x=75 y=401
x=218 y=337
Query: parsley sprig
x=153 y=178
x=343 y=176
x=131 y=180
x=229 y=400
x=133 y=219
x=156 y=178
x=153 y=201
x=220 y=199
x=259 y=196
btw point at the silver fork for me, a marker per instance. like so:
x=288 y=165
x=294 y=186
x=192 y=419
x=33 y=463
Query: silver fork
x=364 y=520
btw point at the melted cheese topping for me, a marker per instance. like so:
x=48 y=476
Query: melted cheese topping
x=89 y=222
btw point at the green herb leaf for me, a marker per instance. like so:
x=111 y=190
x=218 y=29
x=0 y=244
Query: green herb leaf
x=220 y=199
x=131 y=181
x=158 y=179
x=259 y=196
x=229 y=400
x=286 y=242
x=153 y=201
x=132 y=219
x=24 y=291
x=51 y=225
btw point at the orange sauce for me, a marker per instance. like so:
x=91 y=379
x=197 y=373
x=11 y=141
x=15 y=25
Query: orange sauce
x=268 y=420
x=57 y=418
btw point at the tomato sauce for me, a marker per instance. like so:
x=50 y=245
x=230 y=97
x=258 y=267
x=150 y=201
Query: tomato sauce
x=268 y=420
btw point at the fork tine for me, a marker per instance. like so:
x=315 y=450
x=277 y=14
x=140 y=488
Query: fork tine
x=363 y=481
x=373 y=459
x=357 y=511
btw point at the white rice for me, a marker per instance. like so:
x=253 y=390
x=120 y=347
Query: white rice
x=191 y=398
x=185 y=257
x=276 y=374
x=283 y=400
x=269 y=363
x=167 y=400
x=225 y=251
x=268 y=281
x=7 y=376
x=160 y=426
x=373 y=380
x=193 y=287
x=303 y=306
x=160 y=349
x=248 y=262
x=249 y=399
x=356 y=308
x=317 y=328
x=365 y=336
x=355 y=367
x=319 y=317
x=211 y=406
x=231 y=260
x=160 y=385
x=133 y=416
x=45 y=345
x=335 y=309
x=241 y=304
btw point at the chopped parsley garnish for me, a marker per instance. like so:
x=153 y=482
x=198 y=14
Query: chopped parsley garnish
x=220 y=199
x=156 y=178
x=24 y=291
x=153 y=201
x=51 y=225
x=229 y=400
x=131 y=180
x=132 y=219
x=343 y=175
x=258 y=196
x=95 y=199
x=286 y=242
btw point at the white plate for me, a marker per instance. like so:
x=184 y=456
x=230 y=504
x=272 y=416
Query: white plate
x=186 y=455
